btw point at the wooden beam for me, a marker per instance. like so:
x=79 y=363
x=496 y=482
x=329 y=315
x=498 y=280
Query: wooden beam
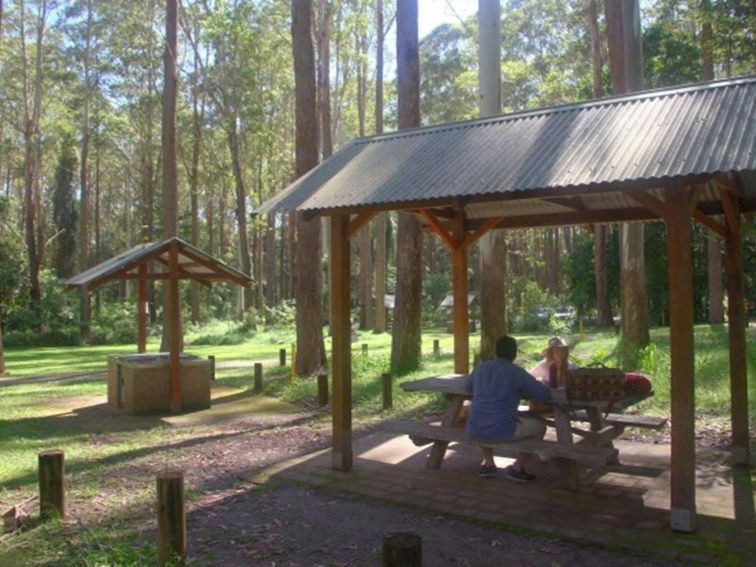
x=576 y=218
x=476 y=235
x=660 y=208
x=142 y=309
x=573 y=203
x=439 y=228
x=341 y=345
x=680 y=263
x=217 y=269
x=460 y=309
x=694 y=196
x=358 y=222
x=726 y=184
x=173 y=322
x=716 y=227
x=737 y=322
x=731 y=211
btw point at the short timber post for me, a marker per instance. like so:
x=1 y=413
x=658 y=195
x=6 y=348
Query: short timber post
x=402 y=549
x=282 y=357
x=171 y=517
x=341 y=351
x=52 y=497
x=364 y=349
x=436 y=347
x=322 y=389
x=175 y=331
x=258 y=376
x=388 y=398
x=142 y=309
x=683 y=486
x=211 y=358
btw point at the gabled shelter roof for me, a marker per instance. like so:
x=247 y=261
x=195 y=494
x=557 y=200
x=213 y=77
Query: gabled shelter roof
x=543 y=166
x=193 y=264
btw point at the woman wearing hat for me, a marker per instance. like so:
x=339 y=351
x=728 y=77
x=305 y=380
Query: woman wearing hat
x=555 y=354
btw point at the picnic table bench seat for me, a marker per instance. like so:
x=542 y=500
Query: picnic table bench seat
x=626 y=420
x=583 y=453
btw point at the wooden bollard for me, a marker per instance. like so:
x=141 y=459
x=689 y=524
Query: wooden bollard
x=171 y=517
x=436 y=347
x=386 y=388
x=364 y=349
x=322 y=389
x=258 y=377
x=402 y=549
x=211 y=358
x=52 y=495
x=282 y=357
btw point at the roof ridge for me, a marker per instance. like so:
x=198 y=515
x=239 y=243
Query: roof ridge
x=566 y=107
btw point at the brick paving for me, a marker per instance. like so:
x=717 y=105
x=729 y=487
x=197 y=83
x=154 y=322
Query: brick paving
x=623 y=507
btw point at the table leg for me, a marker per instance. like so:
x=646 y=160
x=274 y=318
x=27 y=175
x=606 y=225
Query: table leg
x=564 y=437
x=439 y=447
x=597 y=424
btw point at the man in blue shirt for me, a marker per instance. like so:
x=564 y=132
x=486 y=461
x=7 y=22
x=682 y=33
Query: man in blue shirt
x=497 y=386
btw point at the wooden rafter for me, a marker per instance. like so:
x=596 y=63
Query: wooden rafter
x=439 y=228
x=726 y=184
x=358 y=222
x=695 y=196
x=650 y=202
x=214 y=267
x=572 y=203
x=473 y=237
x=730 y=210
x=704 y=219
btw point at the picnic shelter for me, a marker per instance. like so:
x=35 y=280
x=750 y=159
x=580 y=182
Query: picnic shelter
x=671 y=155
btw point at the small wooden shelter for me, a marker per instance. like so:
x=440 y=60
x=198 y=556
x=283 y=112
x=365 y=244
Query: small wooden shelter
x=667 y=155
x=169 y=260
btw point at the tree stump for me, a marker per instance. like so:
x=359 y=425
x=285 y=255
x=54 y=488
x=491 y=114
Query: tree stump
x=388 y=401
x=51 y=483
x=322 y=389
x=171 y=517
x=258 y=376
x=402 y=549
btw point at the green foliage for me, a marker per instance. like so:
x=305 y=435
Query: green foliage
x=64 y=210
x=525 y=312
x=219 y=332
x=581 y=274
x=115 y=323
x=670 y=57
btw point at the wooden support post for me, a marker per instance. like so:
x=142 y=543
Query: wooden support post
x=341 y=346
x=461 y=315
x=680 y=262
x=402 y=549
x=171 y=518
x=174 y=329
x=322 y=389
x=211 y=358
x=52 y=496
x=388 y=398
x=282 y=357
x=258 y=376
x=364 y=349
x=476 y=359
x=737 y=322
x=436 y=347
x=142 y=309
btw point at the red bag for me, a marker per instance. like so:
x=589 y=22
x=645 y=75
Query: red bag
x=637 y=384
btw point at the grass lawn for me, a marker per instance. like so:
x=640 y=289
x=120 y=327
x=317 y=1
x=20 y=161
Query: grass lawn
x=99 y=451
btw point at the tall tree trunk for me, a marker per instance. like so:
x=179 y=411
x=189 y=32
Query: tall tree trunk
x=324 y=112
x=713 y=245
x=601 y=231
x=241 y=206
x=380 y=221
x=172 y=324
x=407 y=333
x=365 y=244
x=270 y=261
x=310 y=347
x=626 y=65
x=198 y=111
x=492 y=247
x=84 y=259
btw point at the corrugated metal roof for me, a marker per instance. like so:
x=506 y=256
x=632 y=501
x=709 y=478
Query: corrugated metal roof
x=193 y=263
x=695 y=130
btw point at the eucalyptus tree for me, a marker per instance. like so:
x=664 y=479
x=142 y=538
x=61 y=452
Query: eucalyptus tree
x=65 y=217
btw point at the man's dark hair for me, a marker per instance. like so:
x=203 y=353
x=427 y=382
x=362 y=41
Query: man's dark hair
x=506 y=347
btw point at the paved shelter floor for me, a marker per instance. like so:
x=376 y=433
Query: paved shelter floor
x=622 y=507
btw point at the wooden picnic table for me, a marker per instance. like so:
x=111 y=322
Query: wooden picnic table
x=594 y=446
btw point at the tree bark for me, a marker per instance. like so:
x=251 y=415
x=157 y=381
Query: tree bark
x=492 y=247
x=84 y=259
x=626 y=65
x=232 y=135
x=324 y=112
x=198 y=112
x=307 y=285
x=406 y=336
x=270 y=261
x=380 y=220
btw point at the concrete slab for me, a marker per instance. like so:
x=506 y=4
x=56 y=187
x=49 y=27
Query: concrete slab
x=624 y=506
